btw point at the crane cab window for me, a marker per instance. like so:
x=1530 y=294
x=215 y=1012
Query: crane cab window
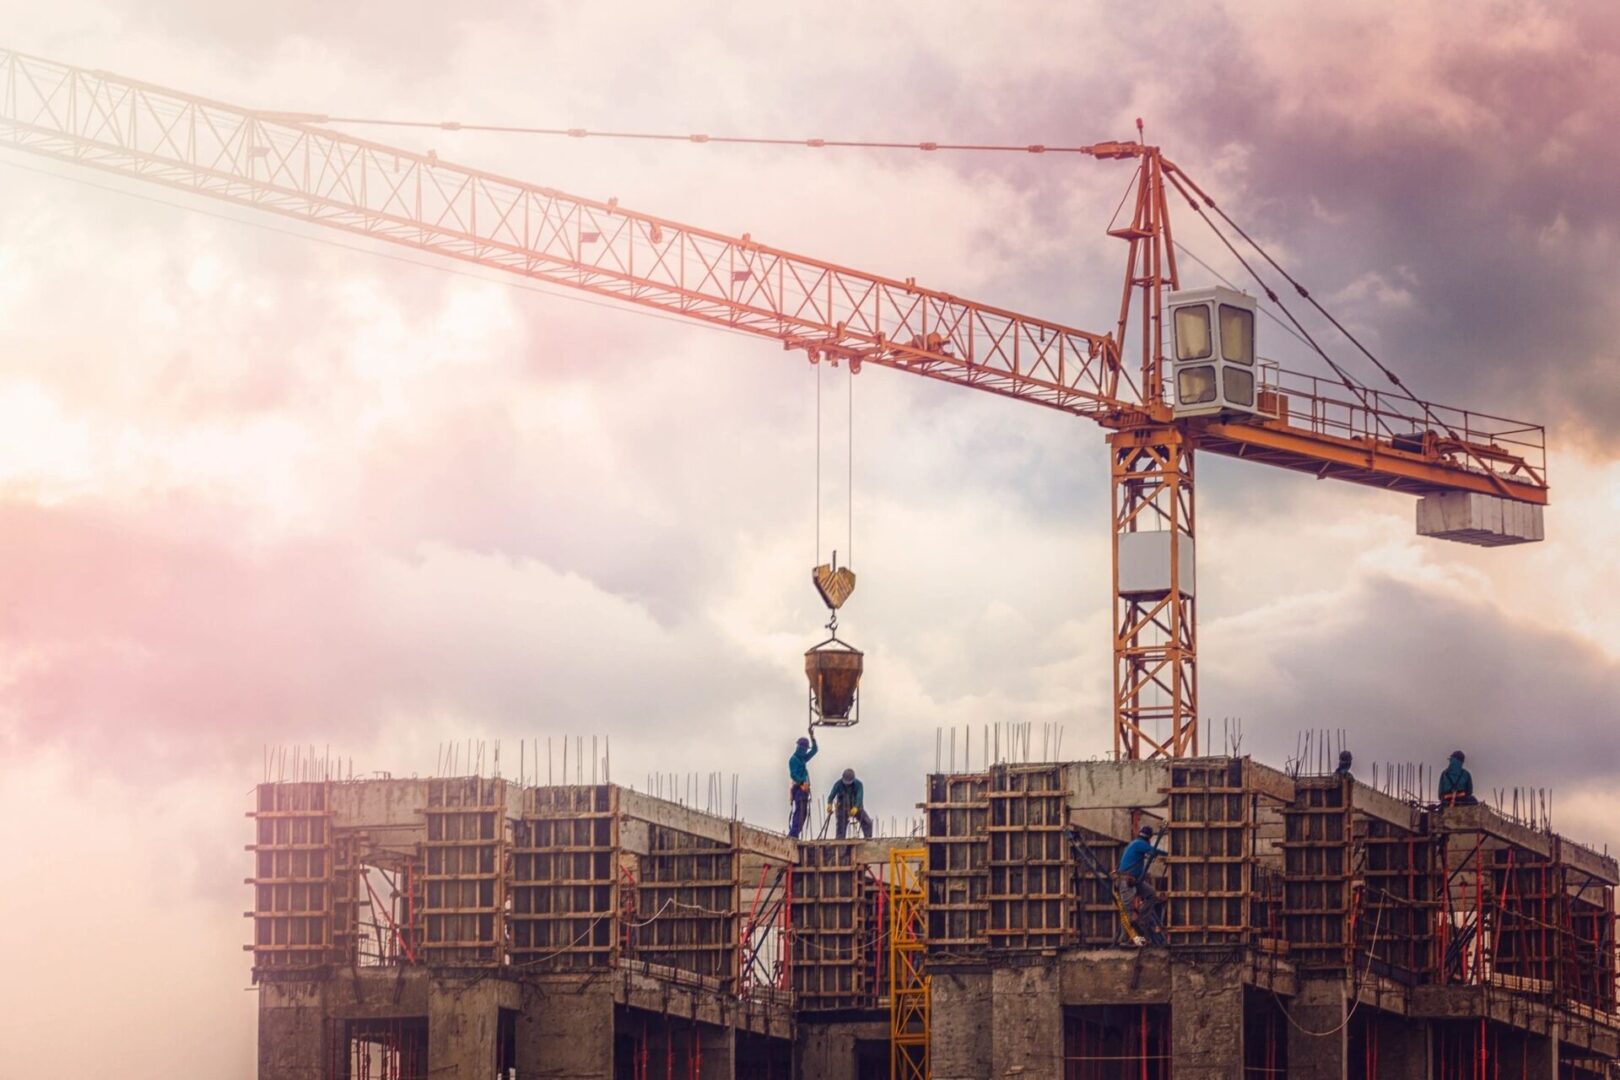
x=1196 y=385
x=1237 y=333
x=1192 y=332
x=1237 y=386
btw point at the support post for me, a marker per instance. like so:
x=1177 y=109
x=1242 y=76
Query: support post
x=1155 y=626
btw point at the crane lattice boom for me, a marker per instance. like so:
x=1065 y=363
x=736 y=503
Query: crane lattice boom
x=289 y=165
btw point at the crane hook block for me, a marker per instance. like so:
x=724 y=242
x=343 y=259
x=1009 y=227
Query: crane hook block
x=834 y=585
x=834 y=670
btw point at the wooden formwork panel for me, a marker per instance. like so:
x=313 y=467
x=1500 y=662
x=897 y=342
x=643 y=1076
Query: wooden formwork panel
x=565 y=881
x=1030 y=884
x=686 y=905
x=830 y=925
x=958 y=874
x=1212 y=837
x=464 y=872
x=292 y=876
x=1400 y=895
x=1317 y=875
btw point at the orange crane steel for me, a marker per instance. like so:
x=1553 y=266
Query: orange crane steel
x=286 y=164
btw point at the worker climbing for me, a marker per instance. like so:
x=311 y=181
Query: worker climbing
x=846 y=801
x=1456 y=785
x=799 y=782
x=1133 y=887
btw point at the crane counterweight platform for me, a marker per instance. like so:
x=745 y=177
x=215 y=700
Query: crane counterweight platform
x=1480 y=478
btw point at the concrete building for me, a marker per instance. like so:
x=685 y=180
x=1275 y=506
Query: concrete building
x=1317 y=927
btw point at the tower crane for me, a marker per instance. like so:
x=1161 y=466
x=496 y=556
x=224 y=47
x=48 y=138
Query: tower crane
x=1479 y=478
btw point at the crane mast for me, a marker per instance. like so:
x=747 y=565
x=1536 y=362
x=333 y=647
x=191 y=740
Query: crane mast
x=288 y=164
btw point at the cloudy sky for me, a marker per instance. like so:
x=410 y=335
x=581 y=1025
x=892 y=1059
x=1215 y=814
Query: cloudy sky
x=258 y=486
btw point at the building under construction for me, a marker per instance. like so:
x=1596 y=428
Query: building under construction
x=477 y=927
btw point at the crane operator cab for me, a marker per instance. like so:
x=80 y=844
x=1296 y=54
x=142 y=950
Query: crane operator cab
x=834 y=667
x=1212 y=368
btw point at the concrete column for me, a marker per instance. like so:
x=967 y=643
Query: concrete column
x=962 y=1040
x=1405 y=1049
x=1027 y=1017
x=1540 y=1057
x=1206 y=1021
x=463 y=1023
x=1318 y=1005
x=718 y=1049
x=565 y=1031
x=825 y=1052
x=292 y=1031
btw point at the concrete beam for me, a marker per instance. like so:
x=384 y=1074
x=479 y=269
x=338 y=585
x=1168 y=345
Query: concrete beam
x=1123 y=784
x=1115 y=977
x=773 y=846
x=1481 y=818
x=639 y=806
x=1386 y=808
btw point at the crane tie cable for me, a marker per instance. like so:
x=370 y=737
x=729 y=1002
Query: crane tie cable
x=927 y=146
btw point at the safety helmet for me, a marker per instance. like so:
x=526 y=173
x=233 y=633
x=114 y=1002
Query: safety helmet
x=803 y=742
x=1457 y=756
x=849 y=774
x=1145 y=831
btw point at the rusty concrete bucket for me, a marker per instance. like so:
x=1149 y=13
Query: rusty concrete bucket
x=834 y=670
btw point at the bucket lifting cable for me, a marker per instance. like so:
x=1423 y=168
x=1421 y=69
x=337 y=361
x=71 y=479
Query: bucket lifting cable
x=834 y=666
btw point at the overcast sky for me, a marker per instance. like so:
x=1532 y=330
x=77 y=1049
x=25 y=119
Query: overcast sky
x=260 y=487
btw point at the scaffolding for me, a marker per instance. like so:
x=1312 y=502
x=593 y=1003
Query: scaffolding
x=908 y=978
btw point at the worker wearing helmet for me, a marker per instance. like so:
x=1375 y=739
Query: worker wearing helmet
x=1456 y=785
x=847 y=800
x=799 y=782
x=1136 y=892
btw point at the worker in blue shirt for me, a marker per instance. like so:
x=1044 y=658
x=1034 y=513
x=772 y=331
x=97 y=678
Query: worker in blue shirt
x=1456 y=785
x=847 y=800
x=1132 y=877
x=799 y=782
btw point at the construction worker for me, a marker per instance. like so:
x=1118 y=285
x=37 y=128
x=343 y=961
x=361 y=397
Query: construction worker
x=1456 y=785
x=847 y=800
x=1343 y=771
x=799 y=782
x=1135 y=890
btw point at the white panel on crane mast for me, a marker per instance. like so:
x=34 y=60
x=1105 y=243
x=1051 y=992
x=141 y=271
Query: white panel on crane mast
x=1144 y=564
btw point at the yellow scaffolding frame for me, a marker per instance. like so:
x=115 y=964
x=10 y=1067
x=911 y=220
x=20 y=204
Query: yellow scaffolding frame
x=908 y=983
